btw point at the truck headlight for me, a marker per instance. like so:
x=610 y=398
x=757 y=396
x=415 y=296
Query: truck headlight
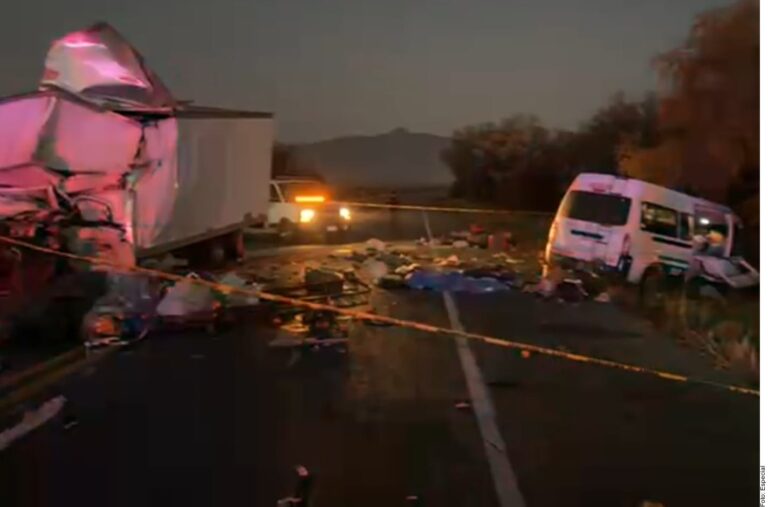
x=306 y=216
x=345 y=213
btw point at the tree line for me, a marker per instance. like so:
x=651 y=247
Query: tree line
x=698 y=133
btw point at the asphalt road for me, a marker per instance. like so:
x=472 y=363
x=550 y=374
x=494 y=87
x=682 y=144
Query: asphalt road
x=412 y=225
x=197 y=419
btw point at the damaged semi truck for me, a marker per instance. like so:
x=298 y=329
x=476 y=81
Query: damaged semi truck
x=101 y=160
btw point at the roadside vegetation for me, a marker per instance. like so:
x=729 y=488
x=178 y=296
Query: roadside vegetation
x=698 y=133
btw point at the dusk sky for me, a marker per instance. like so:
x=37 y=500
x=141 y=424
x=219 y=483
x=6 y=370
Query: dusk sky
x=329 y=68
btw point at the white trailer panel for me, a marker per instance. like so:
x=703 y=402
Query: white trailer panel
x=223 y=173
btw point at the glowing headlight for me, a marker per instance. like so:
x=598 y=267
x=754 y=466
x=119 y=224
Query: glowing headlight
x=345 y=213
x=306 y=215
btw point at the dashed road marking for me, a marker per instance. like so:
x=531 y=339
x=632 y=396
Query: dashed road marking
x=504 y=479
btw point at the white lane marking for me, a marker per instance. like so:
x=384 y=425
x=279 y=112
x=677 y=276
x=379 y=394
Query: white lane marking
x=504 y=478
x=32 y=419
x=426 y=226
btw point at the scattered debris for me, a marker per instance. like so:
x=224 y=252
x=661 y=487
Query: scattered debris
x=571 y=290
x=407 y=269
x=461 y=244
x=232 y=279
x=544 y=288
x=323 y=281
x=94 y=343
x=323 y=325
x=413 y=500
x=70 y=421
x=603 y=297
x=392 y=282
x=500 y=274
x=394 y=261
x=122 y=314
x=302 y=490
x=32 y=420
x=351 y=301
x=186 y=298
x=373 y=270
x=503 y=257
x=450 y=261
x=453 y=282
x=376 y=245
x=290 y=340
x=500 y=241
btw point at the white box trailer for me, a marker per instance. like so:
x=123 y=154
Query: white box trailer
x=103 y=144
x=223 y=166
x=147 y=182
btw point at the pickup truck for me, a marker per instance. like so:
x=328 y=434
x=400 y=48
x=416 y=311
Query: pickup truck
x=303 y=205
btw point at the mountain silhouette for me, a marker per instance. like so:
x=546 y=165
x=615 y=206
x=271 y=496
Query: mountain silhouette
x=396 y=158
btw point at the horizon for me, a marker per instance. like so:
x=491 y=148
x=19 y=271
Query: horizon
x=340 y=69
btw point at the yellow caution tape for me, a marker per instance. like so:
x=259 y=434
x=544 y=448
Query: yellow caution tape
x=447 y=209
x=427 y=328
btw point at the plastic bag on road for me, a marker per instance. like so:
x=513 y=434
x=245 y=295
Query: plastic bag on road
x=235 y=298
x=186 y=298
x=374 y=270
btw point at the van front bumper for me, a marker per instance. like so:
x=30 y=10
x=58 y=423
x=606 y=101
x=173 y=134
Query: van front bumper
x=597 y=266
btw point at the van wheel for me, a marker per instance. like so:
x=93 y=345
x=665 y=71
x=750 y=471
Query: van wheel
x=652 y=288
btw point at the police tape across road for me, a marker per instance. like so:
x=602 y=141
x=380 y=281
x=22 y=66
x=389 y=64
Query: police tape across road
x=408 y=324
x=445 y=209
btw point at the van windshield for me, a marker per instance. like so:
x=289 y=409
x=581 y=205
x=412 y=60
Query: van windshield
x=602 y=209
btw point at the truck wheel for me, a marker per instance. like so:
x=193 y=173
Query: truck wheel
x=217 y=253
x=236 y=246
x=652 y=288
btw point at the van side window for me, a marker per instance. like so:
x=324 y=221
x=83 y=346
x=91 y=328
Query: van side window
x=658 y=220
x=686 y=226
x=273 y=195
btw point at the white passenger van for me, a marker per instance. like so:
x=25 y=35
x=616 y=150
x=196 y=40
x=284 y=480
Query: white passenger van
x=646 y=231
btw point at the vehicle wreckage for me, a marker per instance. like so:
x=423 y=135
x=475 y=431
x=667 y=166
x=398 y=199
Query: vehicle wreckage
x=103 y=161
